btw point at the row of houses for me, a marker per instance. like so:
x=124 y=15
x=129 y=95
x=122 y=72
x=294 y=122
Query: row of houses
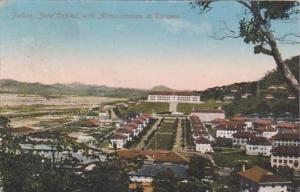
x=200 y=135
x=128 y=131
x=279 y=141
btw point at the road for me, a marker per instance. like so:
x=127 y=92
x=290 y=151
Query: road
x=178 y=141
x=141 y=144
x=56 y=126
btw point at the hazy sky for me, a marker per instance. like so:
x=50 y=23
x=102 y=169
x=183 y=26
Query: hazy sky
x=125 y=44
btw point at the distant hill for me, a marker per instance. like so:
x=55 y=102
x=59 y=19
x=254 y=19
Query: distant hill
x=161 y=88
x=13 y=86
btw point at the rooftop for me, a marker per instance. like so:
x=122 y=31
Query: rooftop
x=286 y=151
x=259 y=175
x=179 y=93
x=208 y=111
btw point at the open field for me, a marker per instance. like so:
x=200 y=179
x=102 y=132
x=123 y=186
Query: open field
x=71 y=101
x=233 y=157
x=187 y=108
x=144 y=107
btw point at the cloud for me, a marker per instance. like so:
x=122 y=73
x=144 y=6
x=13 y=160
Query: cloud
x=178 y=25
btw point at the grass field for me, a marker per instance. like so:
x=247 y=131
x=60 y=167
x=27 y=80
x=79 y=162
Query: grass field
x=187 y=108
x=149 y=108
x=230 y=158
x=164 y=141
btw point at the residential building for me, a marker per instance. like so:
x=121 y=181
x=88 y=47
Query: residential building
x=207 y=115
x=257 y=179
x=118 y=140
x=148 y=172
x=287 y=127
x=241 y=138
x=175 y=96
x=104 y=114
x=159 y=156
x=203 y=145
x=259 y=146
x=266 y=132
x=224 y=132
x=286 y=139
x=286 y=156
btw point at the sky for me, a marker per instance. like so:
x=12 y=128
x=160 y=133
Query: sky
x=128 y=44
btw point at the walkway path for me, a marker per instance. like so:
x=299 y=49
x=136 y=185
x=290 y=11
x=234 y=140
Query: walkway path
x=178 y=141
x=141 y=144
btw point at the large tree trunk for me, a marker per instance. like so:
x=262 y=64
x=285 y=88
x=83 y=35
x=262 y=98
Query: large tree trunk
x=274 y=52
x=281 y=65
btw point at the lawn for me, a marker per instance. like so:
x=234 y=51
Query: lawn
x=187 y=108
x=145 y=107
x=231 y=159
x=164 y=141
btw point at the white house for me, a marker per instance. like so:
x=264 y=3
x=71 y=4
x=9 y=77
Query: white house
x=207 y=115
x=257 y=179
x=286 y=139
x=241 y=138
x=286 y=156
x=203 y=145
x=259 y=146
x=118 y=140
x=266 y=132
x=175 y=96
x=104 y=114
x=224 y=132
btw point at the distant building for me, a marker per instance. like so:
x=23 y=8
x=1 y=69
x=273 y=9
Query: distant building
x=203 y=145
x=104 y=114
x=207 y=115
x=286 y=156
x=148 y=172
x=259 y=146
x=257 y=179
x=241 y=138
x=287 y=127
x=118 y=140
x=176 y=96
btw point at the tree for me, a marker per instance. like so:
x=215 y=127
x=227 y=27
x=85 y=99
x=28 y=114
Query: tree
x=107 y=176
x=165 y=181
x=199 y=167
x=4 y=122
x=255 y=27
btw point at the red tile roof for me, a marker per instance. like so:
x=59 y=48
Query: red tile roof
x=179 y=93
x=238 y=118
x=262 y=122
x=286 y=125
x=118 y=136
x=243 y=135
x=286 y=151
x=158 y=156
x=259 y=141
x=286 y=137
x=208 y=111
x=259 y=175
x=202 y=140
